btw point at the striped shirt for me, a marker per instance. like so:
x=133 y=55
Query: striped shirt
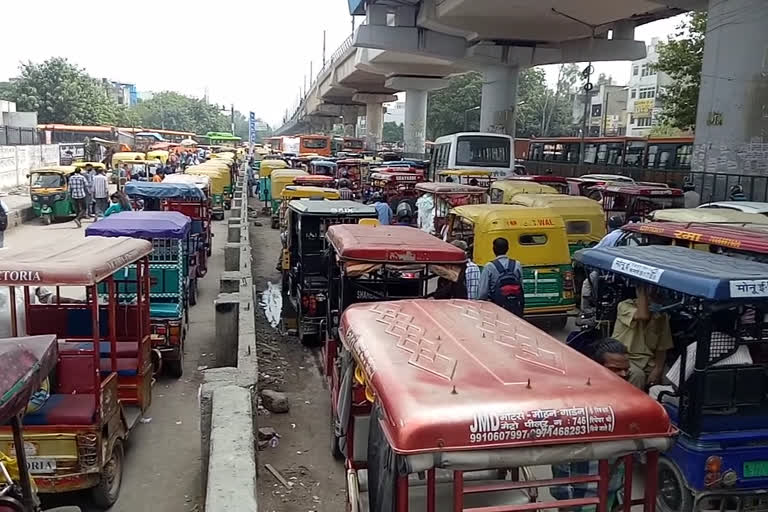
x=472 y=277
x=77 y=186
x=100 y=187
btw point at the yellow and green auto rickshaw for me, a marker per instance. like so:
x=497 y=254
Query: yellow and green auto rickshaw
x=281 y=178
x=536 y=238
x=502 y=191
x=158 y=154
x=265 y=178
x=293 y=192
x=225 y=170
x=218 y=184
x=584 y=218
x=49 y=192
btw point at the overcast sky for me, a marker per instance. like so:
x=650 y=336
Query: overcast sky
x=254 y=54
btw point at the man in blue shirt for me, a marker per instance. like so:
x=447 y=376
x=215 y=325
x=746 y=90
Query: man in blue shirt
x=383 y=209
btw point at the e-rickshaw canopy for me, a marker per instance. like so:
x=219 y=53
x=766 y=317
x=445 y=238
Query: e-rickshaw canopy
x=696 y=273
x=460 y=375
x=447 y=188
x=743 y=238
x=147 y=225
x=330 y=208
x=163 y=190
x=201 y=181
x=391 y=244
x=75 y=262
x=26 y=363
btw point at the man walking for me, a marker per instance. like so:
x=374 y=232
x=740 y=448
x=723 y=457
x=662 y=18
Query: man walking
x=88 y=175
x=501 y=280
x=78 y=188
x=4 y=212
x=101 y=192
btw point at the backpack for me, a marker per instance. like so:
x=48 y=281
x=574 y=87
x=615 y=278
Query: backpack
x=507 y=292
x=3 y=219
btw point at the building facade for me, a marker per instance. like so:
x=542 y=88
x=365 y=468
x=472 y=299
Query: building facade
x=643 y=95
x=607 y=111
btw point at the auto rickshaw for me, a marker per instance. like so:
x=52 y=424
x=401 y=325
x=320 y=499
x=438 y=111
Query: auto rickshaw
x=173 y=276
x=305 y=269
x=437 y=199
x=315 y=180
x=628 y=201
x=319 y=167
x=474 y=177
x=584 y=218
x=280 y=179
x=377 y=263
x=49 y=192
x=445 y=405
x=27 y=363
x=557 y=182
x=356 y=170
x=716 y=392
x=225 y=174
x=708 y=216
x=265 y=178
x=502 y=191
x=218 y=185
x=537 y=239
x=158 y=154
x=397 y=186
x=294 y=192
x=196 y=208
x=118 y=158
x=94 y=165
x=77 y=426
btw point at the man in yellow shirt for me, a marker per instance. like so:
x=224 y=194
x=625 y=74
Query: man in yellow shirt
x=646 y=335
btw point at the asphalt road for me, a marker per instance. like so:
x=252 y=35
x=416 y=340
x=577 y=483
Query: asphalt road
x=162 y=464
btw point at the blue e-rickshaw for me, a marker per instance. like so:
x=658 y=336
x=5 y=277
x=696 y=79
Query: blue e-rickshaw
x=717 y=390
x=173 y=276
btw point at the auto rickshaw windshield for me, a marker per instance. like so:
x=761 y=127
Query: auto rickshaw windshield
x=48 y=180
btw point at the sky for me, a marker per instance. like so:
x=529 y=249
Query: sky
x=255 y=54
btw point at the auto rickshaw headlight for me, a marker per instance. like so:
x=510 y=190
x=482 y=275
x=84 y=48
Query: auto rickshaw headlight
x=730 y=478
x=58 y=197
x=714 y=464
x=35 y=198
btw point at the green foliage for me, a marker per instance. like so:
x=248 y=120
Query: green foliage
x=392 y=132
x=61 y=92
x=667 y=130
x=680 y=58
x=540 y=111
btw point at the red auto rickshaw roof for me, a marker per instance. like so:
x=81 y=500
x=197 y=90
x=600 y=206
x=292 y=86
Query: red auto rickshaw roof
x=752 y=239
x=76 y=262
x=26 y=363
x=639 y=190
x=468 y=375
x=435 y=187
x=391 y=244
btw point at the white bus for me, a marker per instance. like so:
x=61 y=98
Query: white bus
x=474 y=150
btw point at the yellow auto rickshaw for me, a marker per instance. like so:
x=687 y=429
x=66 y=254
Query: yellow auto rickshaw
x=94 y=165
x=584 y=218
x=226 y=171
x=218 y=184
x=474 y=177
x=502 y=191
x=49 y=192
x=536 y=238
x=281 y=178
x=158 y=154
x=117 y=158
x=292 y=192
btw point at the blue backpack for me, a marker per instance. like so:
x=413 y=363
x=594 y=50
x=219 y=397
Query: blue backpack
x=507 y=292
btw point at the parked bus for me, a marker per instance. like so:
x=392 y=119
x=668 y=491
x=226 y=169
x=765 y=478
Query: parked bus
x=473 y=150
x=317 y=144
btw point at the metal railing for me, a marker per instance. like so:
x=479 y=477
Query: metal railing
x=17 y=136
x=712 y=186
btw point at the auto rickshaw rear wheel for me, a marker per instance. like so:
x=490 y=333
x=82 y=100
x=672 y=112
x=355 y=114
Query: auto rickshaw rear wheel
x=193 y=292
x=105 y=494
x=673 y=495
x=175 y=368
x=335 y=440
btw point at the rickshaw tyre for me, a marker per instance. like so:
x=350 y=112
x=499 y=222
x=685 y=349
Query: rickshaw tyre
x=175 y=369
x=558 y=323
x=193 y=293
x=105 y=494
x=686 y=497
x=46 y=220
x=335 y=440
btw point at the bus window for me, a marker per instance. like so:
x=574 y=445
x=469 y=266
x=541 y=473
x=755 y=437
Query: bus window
x=590 y=153
x=315 y=143
x=614 y=154
x=478 y=151
x=633 y=155
x=572 y=153
x=537 y=151
x=602 y=153
x=683 y=156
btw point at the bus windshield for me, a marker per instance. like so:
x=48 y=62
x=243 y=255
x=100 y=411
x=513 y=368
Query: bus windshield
x=314 y=143
x=483 y=151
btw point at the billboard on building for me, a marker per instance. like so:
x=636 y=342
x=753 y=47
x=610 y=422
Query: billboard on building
x=644 y=107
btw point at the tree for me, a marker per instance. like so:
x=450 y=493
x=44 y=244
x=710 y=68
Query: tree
x=173 y=111
x=446 y=108
x=392 y=132
x=61 y=92
x=680 y=58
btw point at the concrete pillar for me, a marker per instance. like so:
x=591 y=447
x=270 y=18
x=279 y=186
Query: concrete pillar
x=232 y=256
x=376 y=14
x=497 y=107
x=374 y=117
x=416 y=93
x=415 y=128
x=732 y=114
x=227 y=307
x=349 y=118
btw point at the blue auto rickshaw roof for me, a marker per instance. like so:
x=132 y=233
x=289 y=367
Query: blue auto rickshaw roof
x=323 y=163
x=146 y=225
x=693 y=272
x=163 y=190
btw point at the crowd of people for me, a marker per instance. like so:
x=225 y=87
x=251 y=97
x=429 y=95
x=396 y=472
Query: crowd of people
x=89 y=190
